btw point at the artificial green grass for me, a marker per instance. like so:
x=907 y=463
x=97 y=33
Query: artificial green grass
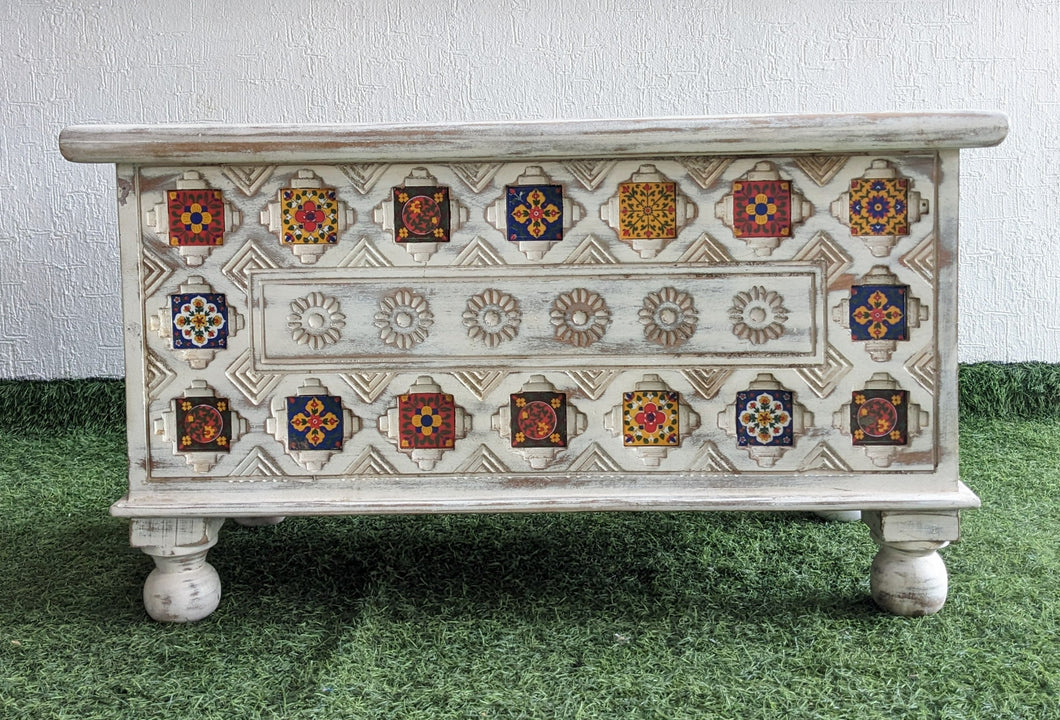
x=610 y=615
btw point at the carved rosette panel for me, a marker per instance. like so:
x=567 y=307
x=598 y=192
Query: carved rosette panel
x=201 y=425
x=758 y=315
x=425 y=423
x=669 y=317
x=404 y=318
x=765 y=419
x=492 y=317
x=648 y=211
x=534 y=213
x=880 y=312
x=881 y=419
x=422 y=214
x=763 y=208
x=880 y=207
x=539 y=422
x=192 y=217
x=651 y=419
x=307 y=217
x=316 y=320
x=579 y=317
x=312 y=425
x=197 y=322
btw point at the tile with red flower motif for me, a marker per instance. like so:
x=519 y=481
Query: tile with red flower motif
x=650 y=417
x=314 y=422
x=426 y=420
x=535 y=212
x=878 y=312
x=879 y=206
x=647 y=210
x=203 y=424
x=879 y=417
x=539 y=419
x=763 y=417
x=309 y=216
x=421 y=214
x=761 y=208
x=196 y=217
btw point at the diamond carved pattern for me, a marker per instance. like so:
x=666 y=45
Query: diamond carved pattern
x=476 y=175
x=254 y=385
x=155 y=271
x=364 y=176
x=371 y=462
x=249 y=257
x=478 y=253
x=368 y=385
x=923 y=367
x=707 y=381
x=921 y=259
x=480 y=382
x=823 y=379
x=590 y=173
x=593 y=382
x=258 y=462
x=710 y=459
x=591 y=251
x=821 y=168
x=157 y=374
x=706 y=170
x=824 y=457
x=483 y=460
x=248 y=179
x=706 y=249
x=595 y=460
x=823 y=247
x=365 y=254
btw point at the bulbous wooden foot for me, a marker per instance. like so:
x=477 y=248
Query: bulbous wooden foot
x=909 y=578
x=908 y=574
x=183 y=587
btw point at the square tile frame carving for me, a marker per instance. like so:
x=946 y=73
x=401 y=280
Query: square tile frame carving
x=731 y=313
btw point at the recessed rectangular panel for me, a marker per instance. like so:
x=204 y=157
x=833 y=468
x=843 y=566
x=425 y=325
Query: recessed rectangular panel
x=538 y=317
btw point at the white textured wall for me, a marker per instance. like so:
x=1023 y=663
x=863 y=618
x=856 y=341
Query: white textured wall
x=426 y=60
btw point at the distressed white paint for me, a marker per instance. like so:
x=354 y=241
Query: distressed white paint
x=245 y=61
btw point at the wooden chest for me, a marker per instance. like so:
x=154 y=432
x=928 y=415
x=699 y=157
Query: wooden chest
x=746 y=313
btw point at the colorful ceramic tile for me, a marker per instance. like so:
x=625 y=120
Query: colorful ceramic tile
x=309 y=216
x=879 y=417
x=761 y=208
x=877 y=312
x=426 y=420
x=314 y=422
x=200 y=321
x=196 y=217
x=539 y=419
x=421 y=214
x=535 y=212
x=203 y=424
x=650 y=417
x=647 y=210
x=763 y=417
x=879 y=206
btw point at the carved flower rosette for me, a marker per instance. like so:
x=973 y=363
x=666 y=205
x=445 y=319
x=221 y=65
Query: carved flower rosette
x=579 y=317
x=758 y=315
x=316 y=320
x=492 y=316
x=669 y=317
x=404 y=319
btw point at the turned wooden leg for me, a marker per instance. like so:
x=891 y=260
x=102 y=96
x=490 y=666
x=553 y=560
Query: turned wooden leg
x=908 y=574
x=183 y=587
x=260 y=521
